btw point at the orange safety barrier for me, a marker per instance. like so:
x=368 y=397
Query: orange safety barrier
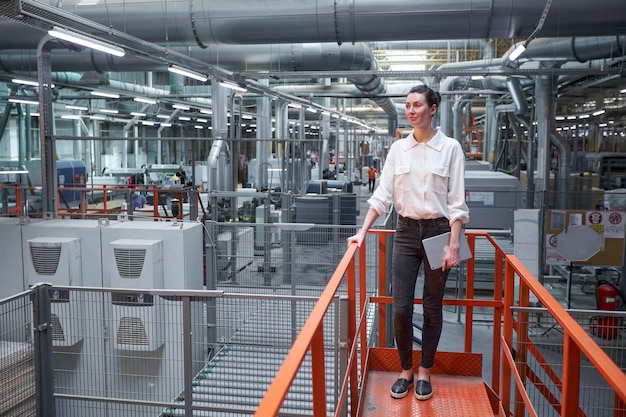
x=508 y=353
x=15 y=190
x=84 y=207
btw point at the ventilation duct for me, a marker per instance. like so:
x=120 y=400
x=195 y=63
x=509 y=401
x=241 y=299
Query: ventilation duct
x=205 y=23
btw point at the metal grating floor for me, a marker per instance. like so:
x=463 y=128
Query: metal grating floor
x=452 y=396
x=234 y=382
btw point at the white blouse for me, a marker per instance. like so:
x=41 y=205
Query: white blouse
x=423 y=180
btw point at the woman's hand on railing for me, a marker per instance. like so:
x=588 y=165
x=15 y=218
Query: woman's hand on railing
x=358 y=237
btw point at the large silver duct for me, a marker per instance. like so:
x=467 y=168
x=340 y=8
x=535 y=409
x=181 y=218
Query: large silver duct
x=483 y=45
x=579 y=49
x=284 y=57
x=210 y=22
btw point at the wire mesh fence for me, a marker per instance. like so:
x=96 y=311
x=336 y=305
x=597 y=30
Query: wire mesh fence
x=161 y=353
x=17 y=367
x=278 y=255
x=539 y=358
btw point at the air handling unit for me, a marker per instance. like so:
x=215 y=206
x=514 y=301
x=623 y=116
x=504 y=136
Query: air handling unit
x=57 y=260
x=136 y=264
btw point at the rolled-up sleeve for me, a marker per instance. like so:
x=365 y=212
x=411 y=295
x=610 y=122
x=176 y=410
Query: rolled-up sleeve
x=382 y=197
x=457 y=206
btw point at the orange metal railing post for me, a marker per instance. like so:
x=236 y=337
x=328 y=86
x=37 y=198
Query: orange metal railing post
x=83 y=203
x=352 y=321
x=571 y=377
x=104 y=199
x=318 y=371
x=522 y=343
x=362 y=281
x=382 y=288
x=619 y=407
x=507 y=336
x=497 y=323
x=18 y=201
x=469 y=294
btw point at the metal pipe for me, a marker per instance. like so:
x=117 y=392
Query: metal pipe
x=205 y=22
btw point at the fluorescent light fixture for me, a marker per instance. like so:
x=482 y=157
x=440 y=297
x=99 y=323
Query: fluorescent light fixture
x=147 y=123
x=71 y=117
x=623 y=91
x=477 y=77
x=199 y=127
x=166 y=124
x=109 y=111
x=517 y=52
x=24 y=101
x=200 y=120
x=233 y=86
x=184 y=118
x=311 y=109
x=163 y=116
x=13 y=171
x=571 y=117
x=85 y=41
x=137 y=113
x=145 y=100
x=187 y=72
x=28 y=82
x=584 y=116
x=206 y=111
x=181 y=106
x=598 y=112
x=247 y=117
x=74 y=107
x=105 y=94
x=325 y=112
x=295 y=105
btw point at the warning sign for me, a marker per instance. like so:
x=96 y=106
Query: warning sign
x=610 y=225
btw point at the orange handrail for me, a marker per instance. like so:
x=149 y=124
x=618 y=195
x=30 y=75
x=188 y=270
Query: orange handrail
x=576 y=340
x=310 y=337
x=506 y=369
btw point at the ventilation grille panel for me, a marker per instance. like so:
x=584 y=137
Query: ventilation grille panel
x=132 y=331
x=58 y=335
x=45 y=258
x=129 y=262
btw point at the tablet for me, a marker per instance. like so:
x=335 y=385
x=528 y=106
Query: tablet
x=436 y=247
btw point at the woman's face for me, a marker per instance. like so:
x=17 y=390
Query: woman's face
x=418 y=112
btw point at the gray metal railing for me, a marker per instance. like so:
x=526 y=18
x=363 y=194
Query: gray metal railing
x=156 y=352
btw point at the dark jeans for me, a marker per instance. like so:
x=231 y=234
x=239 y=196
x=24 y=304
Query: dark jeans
x=408 y=255
x=372 y=184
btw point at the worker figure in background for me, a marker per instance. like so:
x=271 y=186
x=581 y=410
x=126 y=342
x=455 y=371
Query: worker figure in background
x=182 y=175
x=372 y=173
x=139 y=200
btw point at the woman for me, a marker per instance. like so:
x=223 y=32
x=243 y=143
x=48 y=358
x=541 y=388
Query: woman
x=423 y=177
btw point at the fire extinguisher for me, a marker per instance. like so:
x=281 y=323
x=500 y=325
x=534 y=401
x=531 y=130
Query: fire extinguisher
x=608 y=298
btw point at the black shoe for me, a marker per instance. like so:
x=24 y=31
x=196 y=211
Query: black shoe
x=400 y=388
x=423 y=390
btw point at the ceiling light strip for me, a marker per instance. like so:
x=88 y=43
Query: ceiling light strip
x=233 y=86
x=79 y=39
x=187 y=72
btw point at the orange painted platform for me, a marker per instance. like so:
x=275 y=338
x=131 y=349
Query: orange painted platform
x=452 y=396
x=458 y=387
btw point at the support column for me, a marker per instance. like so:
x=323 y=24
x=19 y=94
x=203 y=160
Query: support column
x=46 y=128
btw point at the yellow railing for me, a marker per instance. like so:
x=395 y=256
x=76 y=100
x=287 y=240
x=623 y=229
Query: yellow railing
x=506 y=369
